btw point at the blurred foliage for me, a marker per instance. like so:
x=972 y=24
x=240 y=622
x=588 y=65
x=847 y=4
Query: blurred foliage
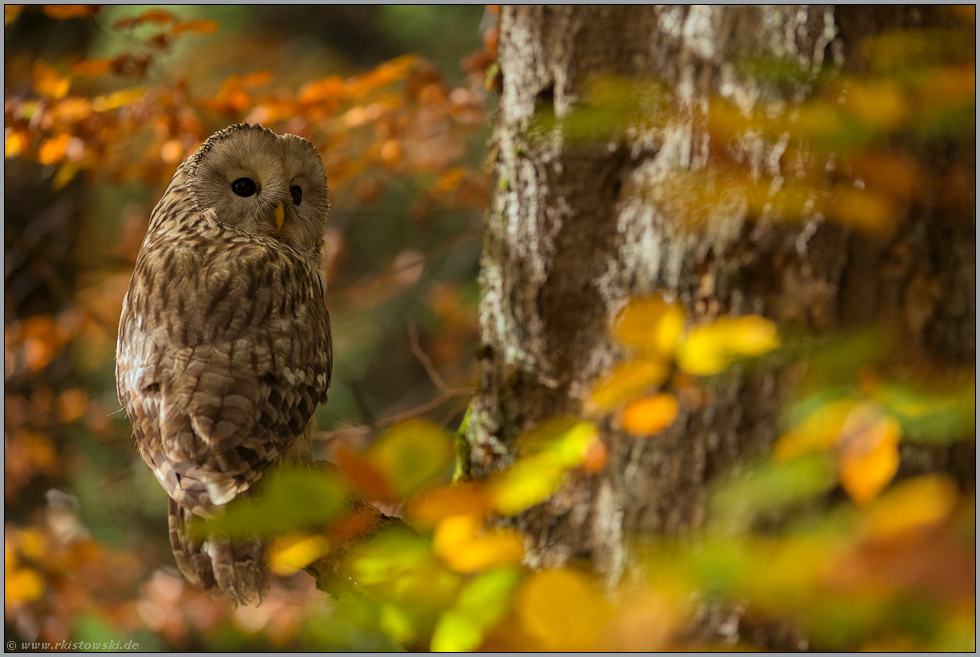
x=824 y=537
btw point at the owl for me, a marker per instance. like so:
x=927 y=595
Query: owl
x=224 y=346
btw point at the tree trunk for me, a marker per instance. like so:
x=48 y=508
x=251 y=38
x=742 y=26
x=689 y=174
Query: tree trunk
x=577 y=228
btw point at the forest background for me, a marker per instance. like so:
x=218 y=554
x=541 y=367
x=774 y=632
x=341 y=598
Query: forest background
x=102 y=104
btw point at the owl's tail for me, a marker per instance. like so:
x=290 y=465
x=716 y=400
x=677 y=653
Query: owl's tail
x=236 y=568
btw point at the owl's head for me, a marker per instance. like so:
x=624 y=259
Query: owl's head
x=263 y=183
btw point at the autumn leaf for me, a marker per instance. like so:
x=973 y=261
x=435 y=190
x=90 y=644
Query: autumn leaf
x=13 y=143
x=291 y=553
x=650 y=415
x=651 y=324
x=563 y=610
x=65 y=12
x=464 y=498
x=363 y=475
x=459 y=541
x=530 y=481
x=91 y=67
x=22 y=585
x=201 y=27
x=711 y=348
x=923 y=500
x=48 y=83
x=10 y=13
x=410 y=455
x=868 y=453
x=626 y=381
x=818 y=430
x=481 y=604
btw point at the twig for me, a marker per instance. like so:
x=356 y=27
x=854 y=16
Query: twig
x=361 y=430
x=430 y=368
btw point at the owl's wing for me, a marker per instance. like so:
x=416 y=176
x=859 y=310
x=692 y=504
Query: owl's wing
x=224 y=353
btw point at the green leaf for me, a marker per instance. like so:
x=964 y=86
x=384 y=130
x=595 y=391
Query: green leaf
x=770 y=487
x=412 y=454
x=289 y=500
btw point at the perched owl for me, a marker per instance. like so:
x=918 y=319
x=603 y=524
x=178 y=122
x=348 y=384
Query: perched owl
x=224 y=341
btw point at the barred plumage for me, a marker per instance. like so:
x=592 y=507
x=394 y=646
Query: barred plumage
x=224 y=344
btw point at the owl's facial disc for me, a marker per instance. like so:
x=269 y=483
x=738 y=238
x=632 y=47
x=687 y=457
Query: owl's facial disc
x=265 y=184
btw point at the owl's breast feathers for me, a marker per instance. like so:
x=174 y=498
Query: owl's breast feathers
x=224 y=352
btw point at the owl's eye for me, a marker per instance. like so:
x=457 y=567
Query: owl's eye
x=297 y=193
x=244 y=187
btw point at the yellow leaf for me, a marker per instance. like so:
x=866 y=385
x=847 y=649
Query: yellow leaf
x=10 y=13
x=913 y=502
x=879 y=103
x=528 y=482
x=66 y=173
x=869 y=453
x=22 y=585
x=460 y=544
x=563 y=610
x=750 y=335
x=116 y=100
x=651 y=324
x=650 y=415
x=411 y=454
x=13 y=143
x=291 y=553
x=711 y=348
x=818 y=431
x=9 y=555
x=626 y=381
x=32 y=542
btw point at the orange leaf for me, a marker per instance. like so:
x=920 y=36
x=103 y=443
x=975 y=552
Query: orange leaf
x=869 y=455
x=650 y=415
x=364 y=476
x=625 y=382
x=13 y=143
x=64 y=12
x=48 y=83
x=450 y=500
x=92 y=67
x=201 y=27
x=22 y=585
x=72 y=404
x=158 y=16
x=53 y=149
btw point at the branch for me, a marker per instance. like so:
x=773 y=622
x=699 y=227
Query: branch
x=430 y=368
x=384 y=423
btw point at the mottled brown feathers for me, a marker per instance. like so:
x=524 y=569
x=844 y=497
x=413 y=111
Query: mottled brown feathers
x=224 y=344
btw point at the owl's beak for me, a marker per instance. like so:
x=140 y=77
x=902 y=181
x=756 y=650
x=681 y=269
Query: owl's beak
x=280 y=216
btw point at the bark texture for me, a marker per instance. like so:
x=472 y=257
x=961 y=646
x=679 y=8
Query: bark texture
x=576 y=229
